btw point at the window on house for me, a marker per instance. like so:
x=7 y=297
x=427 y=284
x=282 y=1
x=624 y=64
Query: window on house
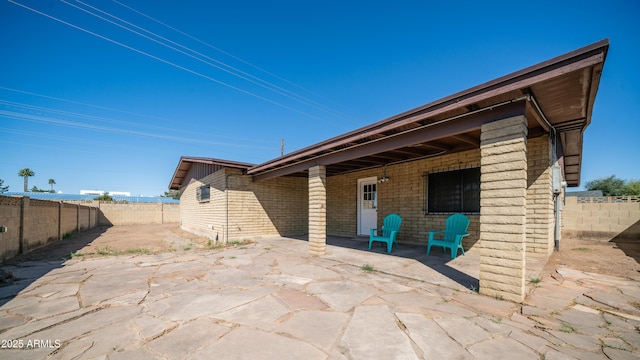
x=453 y=191
x=203 y=193
x=369 y=199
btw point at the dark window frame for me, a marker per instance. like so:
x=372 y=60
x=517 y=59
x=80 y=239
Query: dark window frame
x=456 y=191
x=203 y=193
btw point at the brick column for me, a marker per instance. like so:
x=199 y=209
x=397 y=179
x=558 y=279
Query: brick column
x=317 y=210
x=503 y=208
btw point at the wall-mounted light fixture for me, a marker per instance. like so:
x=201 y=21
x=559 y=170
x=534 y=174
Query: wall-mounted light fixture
x=384 y=177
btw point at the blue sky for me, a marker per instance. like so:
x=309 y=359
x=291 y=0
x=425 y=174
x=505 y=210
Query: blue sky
x=95 y=106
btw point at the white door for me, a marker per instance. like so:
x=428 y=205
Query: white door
x=367 y=205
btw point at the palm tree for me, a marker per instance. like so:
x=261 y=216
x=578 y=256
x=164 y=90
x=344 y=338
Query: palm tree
x=52 y=182
x=26 y=173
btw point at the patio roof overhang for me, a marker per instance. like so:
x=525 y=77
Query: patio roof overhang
x=555 y=95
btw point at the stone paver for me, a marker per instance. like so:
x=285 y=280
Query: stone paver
x=271 y=300
x=373 y=333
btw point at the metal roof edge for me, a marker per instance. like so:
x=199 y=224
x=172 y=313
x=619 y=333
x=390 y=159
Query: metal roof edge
x=205 y=160
x=575 y=55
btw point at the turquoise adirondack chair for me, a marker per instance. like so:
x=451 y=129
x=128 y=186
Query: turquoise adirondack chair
x=387 y=233
x=456 y=229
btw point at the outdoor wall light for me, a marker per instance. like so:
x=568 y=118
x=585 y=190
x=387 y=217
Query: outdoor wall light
x=384 y=177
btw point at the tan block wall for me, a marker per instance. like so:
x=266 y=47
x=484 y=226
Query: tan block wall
x=403 y=194
x=113 y=213
x=205 y=218
x=10 y=218
x=170 y=213
x=270 y=207
x=601 y=218
x=342 y=202
x=41 y=221
x=317 y=210
x=503 y=208
x=276 y=206
x=69 y=222
x=84 y=216
x=540 y=216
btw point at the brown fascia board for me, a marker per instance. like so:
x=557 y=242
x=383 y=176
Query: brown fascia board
x=580 y=58
x=221 y=162
x=203 y=160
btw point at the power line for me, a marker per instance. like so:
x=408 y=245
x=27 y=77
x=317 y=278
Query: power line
x=167 y=62
x=79 y=125
x=81 y=103
x=41 y=109
x=110 y=109
x=219 y=50
x=233 y=71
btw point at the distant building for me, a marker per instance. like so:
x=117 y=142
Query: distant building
x=91 y=192
x=100 y=192
x=119 y=193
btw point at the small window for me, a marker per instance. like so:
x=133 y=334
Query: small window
x=369 y=199
x=203 y=193
x=453 y=191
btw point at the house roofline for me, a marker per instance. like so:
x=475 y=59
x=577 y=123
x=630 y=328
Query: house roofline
x=585 y=56
x=180 y=171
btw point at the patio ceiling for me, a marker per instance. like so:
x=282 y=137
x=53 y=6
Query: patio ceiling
x=558 y=93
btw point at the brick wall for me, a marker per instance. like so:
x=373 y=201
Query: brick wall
x=44 y=221
x=540 y=214
x=205 y=218
x=342 y=202
x=69 y=220
x=40 y=223
x=403 y=194
x=601 y=218
x=113 y=213
x=34 y=223
x=276 y=206
x=271 y=207
x=280 y=206
x=10 y=218
x=503 y=208
x=317 y=210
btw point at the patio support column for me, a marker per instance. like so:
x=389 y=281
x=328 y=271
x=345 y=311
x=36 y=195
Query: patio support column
x=503 y=208
x=317 y=210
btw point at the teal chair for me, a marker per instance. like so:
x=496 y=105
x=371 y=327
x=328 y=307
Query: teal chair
x=456 y=229
x=387 y=233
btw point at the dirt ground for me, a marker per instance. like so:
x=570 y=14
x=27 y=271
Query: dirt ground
x=619 y=258
x=119 y=240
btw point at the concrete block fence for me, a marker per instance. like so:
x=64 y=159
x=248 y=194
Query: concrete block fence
x=28 y=224
x=601 y=218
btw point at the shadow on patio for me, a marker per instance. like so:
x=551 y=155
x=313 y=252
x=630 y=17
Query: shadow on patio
x=24 y=269
x=408 y=261
x=411 y=261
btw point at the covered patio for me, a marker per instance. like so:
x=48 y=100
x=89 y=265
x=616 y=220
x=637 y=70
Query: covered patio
x=515 y=129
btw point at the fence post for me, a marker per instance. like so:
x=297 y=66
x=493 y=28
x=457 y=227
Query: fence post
x=24 y=220
x=77 y=218
x=59 y=220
